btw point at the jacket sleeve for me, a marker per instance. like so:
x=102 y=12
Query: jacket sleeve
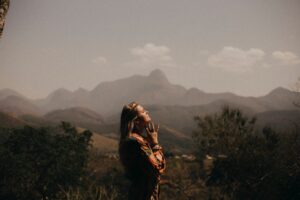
x=153 y=161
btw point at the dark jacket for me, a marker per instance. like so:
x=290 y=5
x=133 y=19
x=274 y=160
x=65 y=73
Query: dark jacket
x=143 y=166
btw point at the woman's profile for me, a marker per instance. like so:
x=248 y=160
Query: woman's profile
x=141 y=156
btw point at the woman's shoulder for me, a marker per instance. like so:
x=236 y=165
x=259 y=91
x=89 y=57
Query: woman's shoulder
x=138 y=138
x=135 y=141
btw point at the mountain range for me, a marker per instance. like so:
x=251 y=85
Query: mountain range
x=173 y=106
x=155 y=89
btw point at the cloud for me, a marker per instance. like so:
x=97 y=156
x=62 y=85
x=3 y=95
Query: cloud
x=151 y=54
x=235 y=59
x=99 y=60
x=286 y=57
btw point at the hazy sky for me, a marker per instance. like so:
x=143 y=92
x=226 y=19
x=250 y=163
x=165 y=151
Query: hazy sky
x=246 y=47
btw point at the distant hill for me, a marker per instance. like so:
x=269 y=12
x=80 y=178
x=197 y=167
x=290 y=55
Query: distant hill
x=9 y=92
x=8 y=121
x=63 y=98
x=101 y=143
x=280 y=99
x=175 y=141
x=76 y=115
x=36 y=121
x=282 y=120
x=17 y=105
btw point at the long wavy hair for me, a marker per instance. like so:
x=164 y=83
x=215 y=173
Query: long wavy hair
x=128 y=116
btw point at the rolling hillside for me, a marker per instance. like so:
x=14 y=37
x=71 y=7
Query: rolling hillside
x=17 y=105
x=101 y=143
x=8 y=121
x=76 y=115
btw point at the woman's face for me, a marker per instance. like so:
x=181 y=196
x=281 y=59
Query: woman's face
x=143 y=114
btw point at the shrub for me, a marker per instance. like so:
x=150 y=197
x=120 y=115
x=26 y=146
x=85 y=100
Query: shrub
x=37 y=163
x=247 y=164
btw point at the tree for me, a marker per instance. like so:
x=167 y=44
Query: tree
x=37 y=163
x=4 y=5
x=221 y=134
x=247 y=163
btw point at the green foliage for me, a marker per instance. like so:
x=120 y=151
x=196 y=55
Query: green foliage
x=181 y=181
x=248 y=164
x=49 y=163
x=221 y=134
x=38 y=163
x=4 y=5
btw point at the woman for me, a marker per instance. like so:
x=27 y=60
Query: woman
x=141 y=156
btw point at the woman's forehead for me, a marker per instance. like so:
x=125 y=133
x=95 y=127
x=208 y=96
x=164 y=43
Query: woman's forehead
x=139 y=108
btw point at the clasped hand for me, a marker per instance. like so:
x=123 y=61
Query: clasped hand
x=152 y=133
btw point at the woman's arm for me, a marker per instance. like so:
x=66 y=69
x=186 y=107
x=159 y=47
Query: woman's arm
x=152 y=161
x=155 y=156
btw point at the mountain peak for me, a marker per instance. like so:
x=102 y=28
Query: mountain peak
x=5 y=92
x=280 y=90
x=158 y=75
x=80 y=90
x=157 y=72
x=59 y=92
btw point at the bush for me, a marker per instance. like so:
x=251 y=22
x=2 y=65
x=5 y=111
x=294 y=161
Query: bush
x=38 y=163
x=247 y=164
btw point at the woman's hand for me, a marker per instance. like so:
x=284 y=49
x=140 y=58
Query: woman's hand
x=152 y=133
